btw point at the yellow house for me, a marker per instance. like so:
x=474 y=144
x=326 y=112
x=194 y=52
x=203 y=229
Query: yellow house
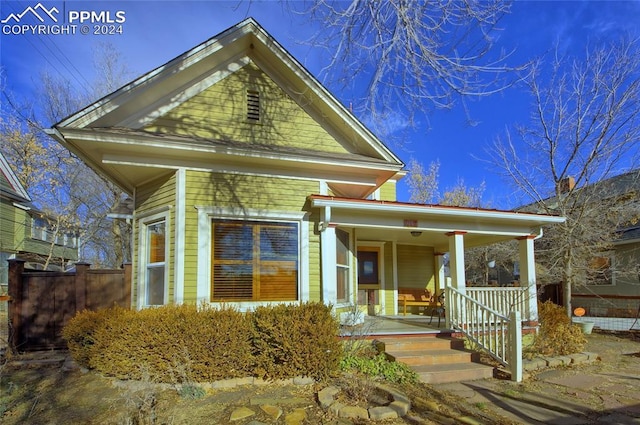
x=253 y=184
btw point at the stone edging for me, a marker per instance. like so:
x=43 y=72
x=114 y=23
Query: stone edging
x=397 y=408
x=542 y=362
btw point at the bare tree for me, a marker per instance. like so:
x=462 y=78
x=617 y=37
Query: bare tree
x=584 y=129
x=423 y=185
x=479 y=261
x=461 y=195
x=62 y=185
x=412 y=56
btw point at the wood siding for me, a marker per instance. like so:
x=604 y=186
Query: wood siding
x=151 y=197
x=416 y=267
x=243 y=192
x=388 y=191
x=220 y=112
x=12 y=222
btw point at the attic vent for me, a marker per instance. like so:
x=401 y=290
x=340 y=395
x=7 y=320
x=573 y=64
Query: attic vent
x=253 y=106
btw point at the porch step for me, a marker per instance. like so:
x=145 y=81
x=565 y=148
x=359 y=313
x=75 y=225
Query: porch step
x=435 y=359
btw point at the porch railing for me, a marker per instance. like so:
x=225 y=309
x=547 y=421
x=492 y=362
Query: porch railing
x=504 y=300
x=498 y=334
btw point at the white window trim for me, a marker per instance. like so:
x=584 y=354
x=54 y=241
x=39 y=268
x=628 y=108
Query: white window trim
x=381 y=272
x=206 y=214
x=352 y=292
x=143 y=222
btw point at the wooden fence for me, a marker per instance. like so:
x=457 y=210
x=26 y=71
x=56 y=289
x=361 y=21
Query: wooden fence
x=41 y=302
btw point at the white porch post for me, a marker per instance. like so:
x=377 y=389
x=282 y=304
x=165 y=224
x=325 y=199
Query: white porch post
x=328 y=258
x=528 y=275
x=456 y=269
x=440 y=277
x=456 y=260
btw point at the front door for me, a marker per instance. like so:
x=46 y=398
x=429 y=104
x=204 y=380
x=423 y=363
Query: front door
x=369 y=279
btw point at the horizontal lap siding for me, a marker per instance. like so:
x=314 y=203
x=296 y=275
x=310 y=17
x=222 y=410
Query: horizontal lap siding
x=157 y=194
x=388 y=278
x=243 y=192
x=415 y=267
x=220 y=112
x=388 y=191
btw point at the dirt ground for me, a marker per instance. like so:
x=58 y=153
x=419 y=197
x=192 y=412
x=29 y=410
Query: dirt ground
x=36 y=392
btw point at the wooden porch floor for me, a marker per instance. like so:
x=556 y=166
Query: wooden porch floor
x=411 y=324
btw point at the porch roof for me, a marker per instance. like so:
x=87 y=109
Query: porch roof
x=395 y=221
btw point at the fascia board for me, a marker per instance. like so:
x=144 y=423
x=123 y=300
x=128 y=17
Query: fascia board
x=301 y=173
x=169 y=144
x=436 y=211
x=116 y=178
x=11 y=177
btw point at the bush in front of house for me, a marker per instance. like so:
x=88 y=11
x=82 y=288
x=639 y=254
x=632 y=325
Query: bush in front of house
x=557 y=335
x=291 y=340
x=184 y=344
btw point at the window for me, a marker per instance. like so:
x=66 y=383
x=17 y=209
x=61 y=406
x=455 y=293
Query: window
x=39 y=228
x=254 y=261
x=253 y=106
x=155 y=263
x=343 y=266
x=599 y=272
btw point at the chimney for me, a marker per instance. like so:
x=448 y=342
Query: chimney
x=567 y=184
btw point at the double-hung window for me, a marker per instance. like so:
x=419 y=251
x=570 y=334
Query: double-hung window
x=343 y=278
x=155 y=254
x=254 y=260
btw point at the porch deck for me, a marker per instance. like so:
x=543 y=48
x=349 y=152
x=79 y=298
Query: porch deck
x=410 y=324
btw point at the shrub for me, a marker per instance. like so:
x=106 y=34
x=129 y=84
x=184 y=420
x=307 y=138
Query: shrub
x=80 y=332
x=557 y=335
x=175 y=344
x=186 y=344
x=378 y=367
x=293 y=340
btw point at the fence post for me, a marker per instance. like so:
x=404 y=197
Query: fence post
x=515 y=346
x=16 y=269
x=81 y=285
x=128 y=278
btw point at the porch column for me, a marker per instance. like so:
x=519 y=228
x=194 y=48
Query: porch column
x=456 y=260
x=328 y=257
x=453 y=307
x=439 y=274
x=528 y=276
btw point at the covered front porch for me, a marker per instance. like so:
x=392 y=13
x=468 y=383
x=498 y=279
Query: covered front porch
x=372 y=250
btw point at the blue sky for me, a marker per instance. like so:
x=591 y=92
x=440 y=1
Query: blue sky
x=153 y=32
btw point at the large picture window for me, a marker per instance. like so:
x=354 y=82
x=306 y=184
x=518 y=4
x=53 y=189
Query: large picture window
x=254 y=261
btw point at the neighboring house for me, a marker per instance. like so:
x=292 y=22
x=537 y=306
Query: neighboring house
x=252 y=184
x=612 y=289
x=26 y=233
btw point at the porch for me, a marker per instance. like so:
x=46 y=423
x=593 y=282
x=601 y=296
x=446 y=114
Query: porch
x=396 y=325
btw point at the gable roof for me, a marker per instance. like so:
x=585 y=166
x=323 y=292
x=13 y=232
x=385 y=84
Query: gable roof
x=138 y=103
x=10 y=186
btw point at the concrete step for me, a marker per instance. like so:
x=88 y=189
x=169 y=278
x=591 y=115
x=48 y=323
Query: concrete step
x=431 y=357
x=418 y=343
x=435 y=359
x=439 y=374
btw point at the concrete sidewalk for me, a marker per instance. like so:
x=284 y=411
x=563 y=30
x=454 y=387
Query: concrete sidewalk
x=595 y=393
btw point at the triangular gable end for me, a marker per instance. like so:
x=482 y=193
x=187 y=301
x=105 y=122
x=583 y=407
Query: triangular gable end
x=9 y=182
x=161 y=90
x=248 y=107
